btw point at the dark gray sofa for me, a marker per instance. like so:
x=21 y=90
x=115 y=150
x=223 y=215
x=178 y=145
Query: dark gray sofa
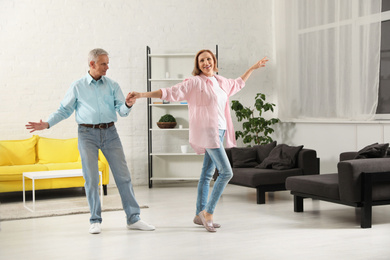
x=359 y=183
x=244 y=160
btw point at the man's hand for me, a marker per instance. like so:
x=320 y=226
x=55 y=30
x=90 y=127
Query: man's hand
x=37 y=126
x=130 y=99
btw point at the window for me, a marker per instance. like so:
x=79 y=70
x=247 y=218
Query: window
x=384 y=77
x=383 y=109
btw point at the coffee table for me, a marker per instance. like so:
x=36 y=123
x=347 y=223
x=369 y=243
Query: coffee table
x=53 y=175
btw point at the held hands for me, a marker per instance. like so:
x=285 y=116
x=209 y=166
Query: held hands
x=130 y=99
x=135 y=95
x=153 y=94
x=37 y=126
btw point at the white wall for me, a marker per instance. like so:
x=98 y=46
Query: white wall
x=44 y=45
x=331 y=138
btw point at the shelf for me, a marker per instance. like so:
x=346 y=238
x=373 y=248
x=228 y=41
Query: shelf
x=172 y=79
x=164 y=55
x=167 y=105
x=169 y=69
x=169 y=129
x=175 y=154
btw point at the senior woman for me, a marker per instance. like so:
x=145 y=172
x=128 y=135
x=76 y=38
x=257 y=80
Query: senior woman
x=207 y=96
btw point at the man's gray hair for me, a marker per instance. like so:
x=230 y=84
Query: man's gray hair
x=94 y=54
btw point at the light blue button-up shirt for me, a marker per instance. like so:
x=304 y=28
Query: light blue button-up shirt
x=94 y=101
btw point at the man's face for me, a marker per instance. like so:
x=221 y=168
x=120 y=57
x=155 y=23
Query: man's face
x=100 y=67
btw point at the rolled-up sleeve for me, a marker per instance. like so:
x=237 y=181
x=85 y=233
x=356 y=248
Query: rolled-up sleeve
x=179 y=91
x=235 y=85
x=120 y=101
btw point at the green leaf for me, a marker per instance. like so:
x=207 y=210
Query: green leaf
x=255 y=128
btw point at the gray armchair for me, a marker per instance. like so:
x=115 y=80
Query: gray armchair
x=359 y=183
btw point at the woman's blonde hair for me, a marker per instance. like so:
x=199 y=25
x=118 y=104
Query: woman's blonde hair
x=196 y=71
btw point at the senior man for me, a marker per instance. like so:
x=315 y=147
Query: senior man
x=96 y=100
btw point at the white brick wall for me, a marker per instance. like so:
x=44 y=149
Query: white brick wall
x=44 y=46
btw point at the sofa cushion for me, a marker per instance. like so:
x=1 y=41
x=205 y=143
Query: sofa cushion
x=373 y=151
x=15 y=172
x=264 y=150
x=57 y=150
x=63 y=166
x=282 y=157
x=244 y=157
x=18 y=152
x=4 y=158
x=323 y=185
x=252 y=177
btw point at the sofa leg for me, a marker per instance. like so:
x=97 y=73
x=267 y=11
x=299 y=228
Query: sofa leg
x=260 y=196
x=366 y=216
x=366 y=212
x=298 y=203
x=105 y=190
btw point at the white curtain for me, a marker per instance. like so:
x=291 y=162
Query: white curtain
x=327 y=58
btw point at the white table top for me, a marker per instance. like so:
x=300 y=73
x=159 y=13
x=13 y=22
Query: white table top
x=54 y=174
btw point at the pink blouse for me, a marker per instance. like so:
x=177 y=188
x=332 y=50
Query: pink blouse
x=203 y=109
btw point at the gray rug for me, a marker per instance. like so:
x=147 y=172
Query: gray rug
x=50 y=203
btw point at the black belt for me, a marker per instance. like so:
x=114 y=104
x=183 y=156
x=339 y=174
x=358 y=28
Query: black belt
x=100 y=126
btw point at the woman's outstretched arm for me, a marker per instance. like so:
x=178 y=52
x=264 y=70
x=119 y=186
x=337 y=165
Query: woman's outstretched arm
x=259 y=64
x=152 y=94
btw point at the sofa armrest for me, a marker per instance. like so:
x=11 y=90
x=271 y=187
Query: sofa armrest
x=347 y=156
x=229 y=155
x=309 y=163
x=350 y=176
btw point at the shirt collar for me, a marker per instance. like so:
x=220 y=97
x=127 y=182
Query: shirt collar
x=90 y=79
x=204 y=77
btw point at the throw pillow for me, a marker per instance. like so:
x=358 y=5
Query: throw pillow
x=18 y=152
x=244 y=157
x=57 y=150
x=373 y=151
x=282 y=157
x=4 y=158
x=264 y=150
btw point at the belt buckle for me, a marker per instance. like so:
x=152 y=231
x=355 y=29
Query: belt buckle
x=104 y=124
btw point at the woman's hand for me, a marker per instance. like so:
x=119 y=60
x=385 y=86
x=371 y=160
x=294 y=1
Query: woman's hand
x=153 y=94
x=259 y=64
x=135 y=95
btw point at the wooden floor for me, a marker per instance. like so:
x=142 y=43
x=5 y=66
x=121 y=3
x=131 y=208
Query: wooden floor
x=249 y=231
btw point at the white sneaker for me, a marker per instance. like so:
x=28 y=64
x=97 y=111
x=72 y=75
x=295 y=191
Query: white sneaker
x=95 y=228
x=141 y=225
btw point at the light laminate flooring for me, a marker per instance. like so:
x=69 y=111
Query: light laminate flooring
x=249 y=231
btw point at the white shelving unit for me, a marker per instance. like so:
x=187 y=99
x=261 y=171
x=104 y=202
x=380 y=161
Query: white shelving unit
x=166 y=162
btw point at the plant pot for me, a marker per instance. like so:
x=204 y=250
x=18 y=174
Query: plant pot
x=166 y=124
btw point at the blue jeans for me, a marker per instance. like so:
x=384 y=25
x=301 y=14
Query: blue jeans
x=107 y=140
x=213 y=158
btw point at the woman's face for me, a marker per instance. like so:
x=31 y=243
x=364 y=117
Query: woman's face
x=206 y=64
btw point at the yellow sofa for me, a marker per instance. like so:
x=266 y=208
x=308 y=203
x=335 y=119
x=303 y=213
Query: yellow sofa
x=42 y=154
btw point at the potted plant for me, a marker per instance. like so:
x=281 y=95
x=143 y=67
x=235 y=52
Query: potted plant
x=167 y=121
x=256 y=129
